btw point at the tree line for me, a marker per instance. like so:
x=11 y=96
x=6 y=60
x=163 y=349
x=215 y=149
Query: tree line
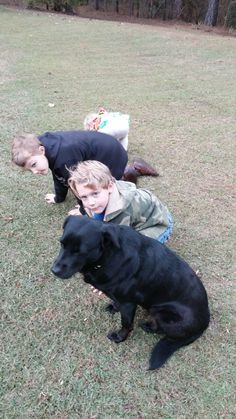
x=208 y=12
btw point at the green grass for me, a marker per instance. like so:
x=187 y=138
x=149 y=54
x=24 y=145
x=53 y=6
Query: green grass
x=179 y=87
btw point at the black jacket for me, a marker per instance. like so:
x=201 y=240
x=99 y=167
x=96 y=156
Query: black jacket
x=64 y=149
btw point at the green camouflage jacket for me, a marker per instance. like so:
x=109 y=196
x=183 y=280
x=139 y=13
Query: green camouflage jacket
x=137 y=208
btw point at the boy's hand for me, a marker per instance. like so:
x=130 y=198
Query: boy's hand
x=75 y=211
x=50 y=198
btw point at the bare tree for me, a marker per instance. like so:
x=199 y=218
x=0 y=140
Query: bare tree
x=131 y=7
x=212 y=13
x=177 y=8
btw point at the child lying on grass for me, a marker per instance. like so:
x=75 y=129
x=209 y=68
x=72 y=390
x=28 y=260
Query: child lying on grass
x=120 y=202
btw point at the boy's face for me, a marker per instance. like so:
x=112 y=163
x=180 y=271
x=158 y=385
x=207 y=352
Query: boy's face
x=38 y=164
x=95 y=199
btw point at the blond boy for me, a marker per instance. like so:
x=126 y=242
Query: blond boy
x=120 y=202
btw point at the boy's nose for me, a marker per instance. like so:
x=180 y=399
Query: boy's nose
x=91 y=200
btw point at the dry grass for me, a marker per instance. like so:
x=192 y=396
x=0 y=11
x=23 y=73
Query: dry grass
x=179 y=87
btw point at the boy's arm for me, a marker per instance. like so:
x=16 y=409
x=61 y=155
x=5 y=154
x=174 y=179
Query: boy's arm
x=60 y=190
x=75 y=211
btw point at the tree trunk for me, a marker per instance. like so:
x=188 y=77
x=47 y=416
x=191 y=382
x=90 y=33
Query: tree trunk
x=212 y=13
x=131 y=7
x=117 y=6
x=177 y=9
x=138 y=8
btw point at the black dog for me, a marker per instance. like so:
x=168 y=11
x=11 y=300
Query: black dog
x=134 y=270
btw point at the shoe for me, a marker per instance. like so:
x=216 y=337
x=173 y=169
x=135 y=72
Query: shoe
x=130 y=174
x=143 y=168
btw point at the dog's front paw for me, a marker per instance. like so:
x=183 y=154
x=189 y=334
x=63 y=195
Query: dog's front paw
x=148 y=327
x=115 y=337
x=111 y=308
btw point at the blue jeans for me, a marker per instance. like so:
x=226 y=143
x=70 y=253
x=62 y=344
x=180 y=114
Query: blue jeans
x=167 y=233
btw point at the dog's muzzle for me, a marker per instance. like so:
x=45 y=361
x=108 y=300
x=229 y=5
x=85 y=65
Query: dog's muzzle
x=58 y=271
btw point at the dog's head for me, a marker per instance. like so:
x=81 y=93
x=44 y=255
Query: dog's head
x=82 y=245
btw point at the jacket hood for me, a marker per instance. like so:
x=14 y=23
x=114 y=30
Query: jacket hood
x=51 y=142
x=127 y=190
x=120 y=198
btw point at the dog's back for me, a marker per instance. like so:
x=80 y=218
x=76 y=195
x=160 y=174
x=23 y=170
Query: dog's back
x=174 y=295
x=162 y=275
x=172 y=292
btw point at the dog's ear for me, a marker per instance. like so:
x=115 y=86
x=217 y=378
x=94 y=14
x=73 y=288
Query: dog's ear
x=110 y=236
x=66 y=221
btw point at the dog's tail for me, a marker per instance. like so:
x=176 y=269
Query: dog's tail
x=166 y=347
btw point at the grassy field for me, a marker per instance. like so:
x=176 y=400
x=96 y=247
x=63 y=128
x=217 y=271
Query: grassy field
x=179 y=87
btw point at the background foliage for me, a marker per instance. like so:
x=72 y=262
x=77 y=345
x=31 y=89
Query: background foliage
x=209 y=12
x=179 y=87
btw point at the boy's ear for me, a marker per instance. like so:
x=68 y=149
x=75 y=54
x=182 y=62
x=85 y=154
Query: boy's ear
x=110 y=186
x=42 y=150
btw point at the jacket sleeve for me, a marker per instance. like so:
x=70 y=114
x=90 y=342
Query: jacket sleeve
x=60 y=190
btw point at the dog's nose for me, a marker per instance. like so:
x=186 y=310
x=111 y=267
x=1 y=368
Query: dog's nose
x=56 y=269
x=61 y=270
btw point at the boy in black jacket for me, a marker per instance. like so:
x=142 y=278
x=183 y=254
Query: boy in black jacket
x=61 y=150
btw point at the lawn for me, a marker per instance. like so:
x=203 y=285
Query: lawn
x=179 y=86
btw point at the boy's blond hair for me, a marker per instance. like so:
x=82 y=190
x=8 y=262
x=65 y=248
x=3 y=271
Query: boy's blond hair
x=23 y=147
x=90 y=173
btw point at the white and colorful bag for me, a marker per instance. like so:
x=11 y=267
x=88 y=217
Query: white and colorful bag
x=113 y=123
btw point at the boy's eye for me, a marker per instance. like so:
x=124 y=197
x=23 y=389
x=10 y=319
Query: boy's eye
x=33 y=164
x=95 y=194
